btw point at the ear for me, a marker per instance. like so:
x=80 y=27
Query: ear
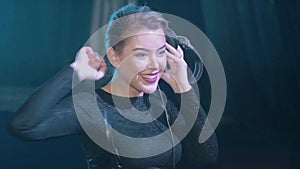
x=113 y=57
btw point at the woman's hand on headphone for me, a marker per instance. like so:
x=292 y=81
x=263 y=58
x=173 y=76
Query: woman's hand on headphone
x=89 y=65
x=176 y=76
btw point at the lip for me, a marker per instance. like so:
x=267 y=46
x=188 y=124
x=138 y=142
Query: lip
x=150 y=77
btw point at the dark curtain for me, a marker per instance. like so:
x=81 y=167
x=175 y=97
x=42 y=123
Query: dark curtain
x=258 y=43
x=261 y=57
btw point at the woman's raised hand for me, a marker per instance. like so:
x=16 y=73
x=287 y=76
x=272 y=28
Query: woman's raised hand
x=89 y=65
x=176 y=76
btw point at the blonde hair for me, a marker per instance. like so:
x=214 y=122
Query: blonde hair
x=129 y=20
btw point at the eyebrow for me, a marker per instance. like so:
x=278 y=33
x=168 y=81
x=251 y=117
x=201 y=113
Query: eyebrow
x=144 y=49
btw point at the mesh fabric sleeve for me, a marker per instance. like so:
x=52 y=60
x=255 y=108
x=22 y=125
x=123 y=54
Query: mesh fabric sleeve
x=49 y=111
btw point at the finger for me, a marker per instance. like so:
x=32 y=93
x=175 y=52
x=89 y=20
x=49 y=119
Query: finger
x=171 y=49
x=173 y=57
x=99 y=75
x=94 y=59
x=94 y=65
x=89 y=51
x=172 y=64
x=102 y=65
x=180 y=51
x=101 y=70
x=176 y=52
x=93 y=55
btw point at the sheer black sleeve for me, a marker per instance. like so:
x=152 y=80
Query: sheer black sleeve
x=49 y=112
x=198 y=154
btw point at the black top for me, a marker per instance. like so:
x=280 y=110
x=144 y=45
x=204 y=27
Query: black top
x=50 y=112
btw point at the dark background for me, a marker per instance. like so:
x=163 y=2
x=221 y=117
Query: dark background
x=257 y=41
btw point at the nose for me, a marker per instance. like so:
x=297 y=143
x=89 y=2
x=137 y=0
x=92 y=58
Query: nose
x=153 y=61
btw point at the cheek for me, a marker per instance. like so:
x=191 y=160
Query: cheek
x=163 y=63
x=130 y=69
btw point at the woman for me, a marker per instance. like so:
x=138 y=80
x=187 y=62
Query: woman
x=138 y=56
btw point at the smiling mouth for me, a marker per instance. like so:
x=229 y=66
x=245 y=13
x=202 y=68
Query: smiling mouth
x=150 y=78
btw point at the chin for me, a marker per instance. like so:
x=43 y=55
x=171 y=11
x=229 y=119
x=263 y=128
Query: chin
x=149 y=90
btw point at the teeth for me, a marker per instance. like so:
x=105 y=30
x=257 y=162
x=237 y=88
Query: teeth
x=149 y=76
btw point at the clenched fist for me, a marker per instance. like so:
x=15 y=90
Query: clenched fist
x=89 y=65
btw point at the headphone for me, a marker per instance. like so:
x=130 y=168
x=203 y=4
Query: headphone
x=192 y=58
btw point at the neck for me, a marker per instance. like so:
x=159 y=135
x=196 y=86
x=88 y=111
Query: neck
x=121 y=88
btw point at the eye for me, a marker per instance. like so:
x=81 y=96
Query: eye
x=161 y=53
x=140 y=54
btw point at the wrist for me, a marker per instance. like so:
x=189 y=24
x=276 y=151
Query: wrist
x=181 y=87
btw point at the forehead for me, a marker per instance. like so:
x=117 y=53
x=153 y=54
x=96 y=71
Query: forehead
x=147 y=39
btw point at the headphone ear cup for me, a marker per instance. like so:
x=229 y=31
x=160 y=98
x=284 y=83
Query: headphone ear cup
x=194 y=63
x=171 y=38
x=192 y=59
x=172 y=41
